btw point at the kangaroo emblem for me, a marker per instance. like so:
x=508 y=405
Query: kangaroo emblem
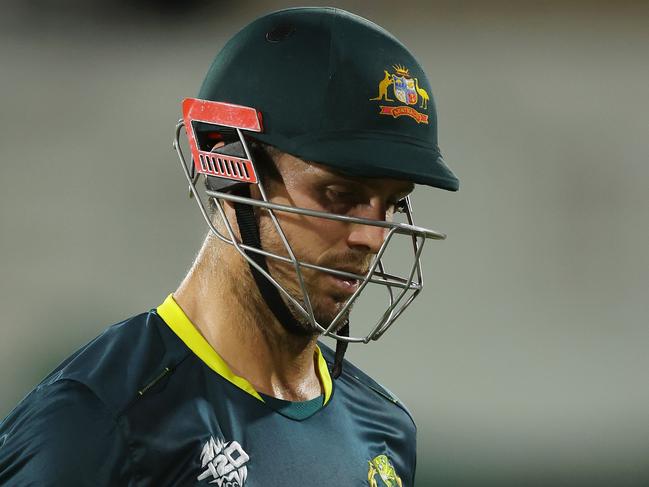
x=383 y=87
x=423 y=94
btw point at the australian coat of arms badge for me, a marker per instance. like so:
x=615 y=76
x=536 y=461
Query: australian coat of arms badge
x=406 y=92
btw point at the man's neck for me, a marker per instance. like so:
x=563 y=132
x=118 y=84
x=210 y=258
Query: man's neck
x=223 y=302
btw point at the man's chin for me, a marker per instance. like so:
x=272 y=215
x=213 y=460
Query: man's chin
x=324 y=319
x=326 y=306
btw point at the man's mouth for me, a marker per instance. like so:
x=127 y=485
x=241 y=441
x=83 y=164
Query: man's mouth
x=348 y=286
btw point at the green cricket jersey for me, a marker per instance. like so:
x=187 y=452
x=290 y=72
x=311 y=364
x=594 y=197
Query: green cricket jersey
x=150 y=403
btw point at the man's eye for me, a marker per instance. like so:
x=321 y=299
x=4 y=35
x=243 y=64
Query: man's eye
x=340 y=195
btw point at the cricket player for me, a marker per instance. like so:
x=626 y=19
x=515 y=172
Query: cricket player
x=311 y=129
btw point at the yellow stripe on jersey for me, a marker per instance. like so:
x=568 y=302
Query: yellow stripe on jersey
x=323 y=373
x=180 y=324
x=178 y=321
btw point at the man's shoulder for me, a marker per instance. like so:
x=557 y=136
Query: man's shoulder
x=361 y=383
x=46 y=439
x=121 y=361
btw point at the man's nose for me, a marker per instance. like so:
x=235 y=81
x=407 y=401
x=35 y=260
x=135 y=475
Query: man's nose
x=368 y=238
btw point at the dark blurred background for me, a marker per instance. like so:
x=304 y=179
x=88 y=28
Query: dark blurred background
x=525 y=362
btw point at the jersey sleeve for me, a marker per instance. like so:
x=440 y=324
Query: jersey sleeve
x=63 y=434
x=414 y=457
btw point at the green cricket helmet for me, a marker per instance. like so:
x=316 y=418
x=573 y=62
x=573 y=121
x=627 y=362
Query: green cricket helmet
x=329 y=87
x=337 y=89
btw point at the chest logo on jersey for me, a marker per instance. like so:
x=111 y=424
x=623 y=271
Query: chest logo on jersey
x=224 y=463
x=382 y=467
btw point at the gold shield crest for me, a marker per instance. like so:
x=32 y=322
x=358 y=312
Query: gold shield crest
x=406 y=90
x=382 y=467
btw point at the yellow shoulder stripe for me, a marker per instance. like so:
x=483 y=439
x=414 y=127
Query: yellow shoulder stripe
x=325 y=377
x=178 y=321
x=180 y=324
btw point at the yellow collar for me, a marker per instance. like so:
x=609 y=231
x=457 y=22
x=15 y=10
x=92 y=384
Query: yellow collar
x=177 y=320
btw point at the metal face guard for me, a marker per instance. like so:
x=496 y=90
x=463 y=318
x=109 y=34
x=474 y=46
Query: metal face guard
x=401 y=290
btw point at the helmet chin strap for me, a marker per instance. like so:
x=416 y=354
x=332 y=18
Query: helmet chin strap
x=341 y=348
x=249 y=231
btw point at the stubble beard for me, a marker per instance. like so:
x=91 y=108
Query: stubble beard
x=325 y=308
x=286 y=276
x=323 y=312
x=322 y=315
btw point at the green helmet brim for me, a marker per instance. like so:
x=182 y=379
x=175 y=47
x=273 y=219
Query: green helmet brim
x=372 y=155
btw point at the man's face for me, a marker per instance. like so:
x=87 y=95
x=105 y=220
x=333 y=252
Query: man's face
x=324 y=242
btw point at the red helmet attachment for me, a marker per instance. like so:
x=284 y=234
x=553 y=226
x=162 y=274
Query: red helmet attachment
x=210 y=149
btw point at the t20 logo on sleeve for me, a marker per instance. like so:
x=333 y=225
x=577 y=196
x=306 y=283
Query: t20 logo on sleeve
x=224 y=463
